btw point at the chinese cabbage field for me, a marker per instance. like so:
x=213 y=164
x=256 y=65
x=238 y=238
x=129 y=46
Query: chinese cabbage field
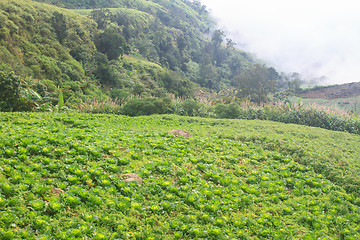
x=60 y=178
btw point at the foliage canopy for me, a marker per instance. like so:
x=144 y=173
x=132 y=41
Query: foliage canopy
x=64 y=47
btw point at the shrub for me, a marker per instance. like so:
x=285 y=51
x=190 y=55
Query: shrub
x=106 y=106
x=231 y=110
x=119 y=95
x=313 y=117
x=189 y=107
x=147 y=106
x=9 y=91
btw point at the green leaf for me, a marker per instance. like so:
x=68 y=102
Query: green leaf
x=61 y=100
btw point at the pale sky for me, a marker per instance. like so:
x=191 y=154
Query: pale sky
x=312 y=37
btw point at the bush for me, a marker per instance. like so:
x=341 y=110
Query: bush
x=189 y=107
x=316 y=118
x=147 y=106
x=119 y=95
x=301 y=115
x=99 y=106
x=231 y=110
x=9 y=91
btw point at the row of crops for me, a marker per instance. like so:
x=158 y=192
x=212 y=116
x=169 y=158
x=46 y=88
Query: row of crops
x=60 y=178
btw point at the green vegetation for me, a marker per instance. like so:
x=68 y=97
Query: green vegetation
x=48 y=46
x=351 y=104
x=314 y=116
x=96 y=48
x=303 y=114
x=234 y=179
x=110 y=51
x=62 y=173
x=10 y=92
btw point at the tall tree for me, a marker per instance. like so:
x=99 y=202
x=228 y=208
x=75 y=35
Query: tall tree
x=217 y=38
x=230 y=43
x=208 y=76
x=255 y=83
x=58 y=21
x=102 y=17
x=9 y=91
x=111 y=42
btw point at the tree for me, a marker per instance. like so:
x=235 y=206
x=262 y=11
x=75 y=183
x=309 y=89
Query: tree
x=58 y=22
x=9 y=91
x=235 y=64
x=181 y=44
x=294 y=82
x=111 y=42
x=128 y=30
x=147 y=49
x=92 y=4
x=208 y=76
x=217 y=38
x=175 y=83
x=255 y=83
x=219 y=54
x=230 y=43
x=104 y=73
x=102 y=17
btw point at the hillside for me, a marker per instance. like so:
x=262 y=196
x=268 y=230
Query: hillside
x=345 y=97
x=120 y=49
x=64 y=176
x=46 y=60
x=346 y=90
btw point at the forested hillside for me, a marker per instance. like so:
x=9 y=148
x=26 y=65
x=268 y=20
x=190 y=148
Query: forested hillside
x=97 y=50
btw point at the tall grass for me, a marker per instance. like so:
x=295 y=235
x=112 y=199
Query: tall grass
x=309 y=114
x=331 y=118
x=108 y=106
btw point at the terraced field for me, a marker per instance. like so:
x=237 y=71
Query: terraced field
x=63 y=176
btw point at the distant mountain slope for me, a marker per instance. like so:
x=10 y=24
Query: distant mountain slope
x=333 y=92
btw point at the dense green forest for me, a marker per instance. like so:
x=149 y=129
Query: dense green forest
x=81 y=51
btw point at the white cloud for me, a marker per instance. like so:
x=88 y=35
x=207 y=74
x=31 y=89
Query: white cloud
x=313 y=37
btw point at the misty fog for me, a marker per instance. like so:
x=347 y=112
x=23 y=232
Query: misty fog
x=318 y=39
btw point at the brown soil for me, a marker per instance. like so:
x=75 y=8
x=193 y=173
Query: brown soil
x=333 y=92
x=130 y=177
x=178 y=133
x=57 y=191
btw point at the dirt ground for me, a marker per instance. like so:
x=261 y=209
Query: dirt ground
x=333 y=92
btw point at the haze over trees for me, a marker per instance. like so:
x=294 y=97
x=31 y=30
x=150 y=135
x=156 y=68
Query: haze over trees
x=147 y=48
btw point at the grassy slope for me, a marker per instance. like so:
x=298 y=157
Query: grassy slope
x=343 y=96
x=32 y=43
x=233 y=179
x=334 y=154
x=31 y=47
